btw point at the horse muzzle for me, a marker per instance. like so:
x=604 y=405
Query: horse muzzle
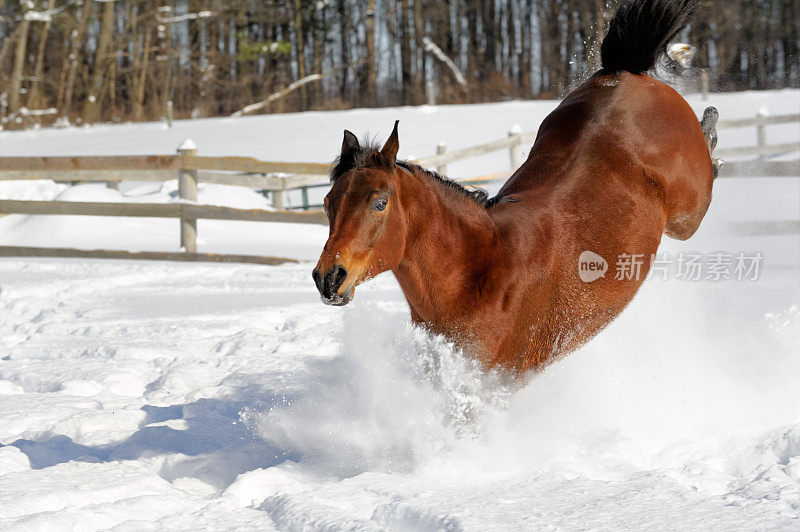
x=329 y=284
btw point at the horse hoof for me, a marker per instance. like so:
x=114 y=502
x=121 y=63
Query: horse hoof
x=710 y=117
x=716 y=164
x=709 y=127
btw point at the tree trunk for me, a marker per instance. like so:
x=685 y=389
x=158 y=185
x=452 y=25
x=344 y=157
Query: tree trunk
x=370 y=89
x=526 y=58
x=19 y=62
x=74 y=58
x=91 y=107
x=418 y=65
x=405 y=52
x=300 y=51
x=141 y=76
x=490 y=34
x=319 y=54
x=38 y=73
x=570 y=59
x=5 y=50
x=162 y=70
x=344 y=49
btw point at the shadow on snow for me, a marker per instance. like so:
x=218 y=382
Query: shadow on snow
x=206 y=439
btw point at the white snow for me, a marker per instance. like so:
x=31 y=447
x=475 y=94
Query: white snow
x=187 y=145
x=152 y=395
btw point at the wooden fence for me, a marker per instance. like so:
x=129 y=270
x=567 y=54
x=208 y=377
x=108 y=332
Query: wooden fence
x=188 y=168
x=762 y=150
x=277 y=178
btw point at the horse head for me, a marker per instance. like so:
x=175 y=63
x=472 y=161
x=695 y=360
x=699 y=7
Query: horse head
x=365 y=216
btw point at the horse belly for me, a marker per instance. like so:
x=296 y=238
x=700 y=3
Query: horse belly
x=598 y=259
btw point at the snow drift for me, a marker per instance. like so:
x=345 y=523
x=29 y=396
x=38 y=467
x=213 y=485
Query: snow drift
x=152 y=396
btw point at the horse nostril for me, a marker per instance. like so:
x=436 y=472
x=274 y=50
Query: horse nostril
x=341 y=275
x=317 y=276
x=333 y=280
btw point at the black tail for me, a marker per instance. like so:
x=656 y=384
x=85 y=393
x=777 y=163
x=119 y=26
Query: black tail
x=640 y=31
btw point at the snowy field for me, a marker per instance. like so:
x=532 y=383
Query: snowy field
x=162 y=396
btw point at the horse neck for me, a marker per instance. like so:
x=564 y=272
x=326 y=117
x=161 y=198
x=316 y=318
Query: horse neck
x=449 y=238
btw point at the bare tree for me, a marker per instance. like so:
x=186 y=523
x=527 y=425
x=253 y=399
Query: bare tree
x=19 y=62
x=91 y=104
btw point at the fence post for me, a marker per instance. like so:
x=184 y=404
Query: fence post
x=761 y=131
x=430 y=93
x=440 y=149
x=304 y=191
x=169 y=114
x=515 y=150
x=187 y=190
x=277 y=196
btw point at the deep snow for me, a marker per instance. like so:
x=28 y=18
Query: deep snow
x=143 y=395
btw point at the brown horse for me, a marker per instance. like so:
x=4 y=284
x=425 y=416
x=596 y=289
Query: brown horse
x=621 y=161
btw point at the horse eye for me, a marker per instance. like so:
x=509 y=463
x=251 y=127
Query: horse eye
x=379 y=205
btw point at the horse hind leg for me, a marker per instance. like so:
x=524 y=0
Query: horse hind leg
x=683 y=224
x=709 y=126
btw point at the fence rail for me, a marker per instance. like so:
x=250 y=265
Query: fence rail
x=277 y=178
x=29 y=251
x=761 y=151
x=159 y=210
x=760 y=118
x=158 y=162
x=513 y=141
x=243 y=171
x=770 y=169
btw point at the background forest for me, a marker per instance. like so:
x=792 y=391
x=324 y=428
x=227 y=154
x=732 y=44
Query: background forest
x=83 y=61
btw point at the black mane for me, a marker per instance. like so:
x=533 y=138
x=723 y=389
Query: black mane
x=363 y=157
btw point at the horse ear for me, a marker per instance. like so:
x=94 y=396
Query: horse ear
x=347 y=158
x=349 y=145
x=389 y=150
